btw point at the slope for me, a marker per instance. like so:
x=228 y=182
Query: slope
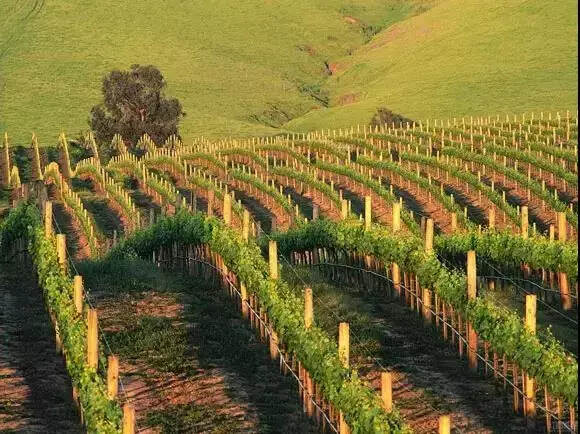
x=238 y=69
x=460 y=57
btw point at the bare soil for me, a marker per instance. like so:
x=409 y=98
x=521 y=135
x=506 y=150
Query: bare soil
x=35 y=389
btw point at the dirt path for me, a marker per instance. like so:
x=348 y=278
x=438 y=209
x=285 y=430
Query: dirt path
x=35 y=390
x=76 y=242
x=429 y=377
x=188 y=361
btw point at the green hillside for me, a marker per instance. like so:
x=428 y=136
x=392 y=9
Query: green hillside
x=462 y=57
x=253 y=67
x=237 y=67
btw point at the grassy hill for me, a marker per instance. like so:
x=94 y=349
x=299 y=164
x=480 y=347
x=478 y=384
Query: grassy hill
x=252 y=67
x=462 y=57
x=238 y=67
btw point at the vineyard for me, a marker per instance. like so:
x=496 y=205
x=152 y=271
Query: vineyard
x=409 y=277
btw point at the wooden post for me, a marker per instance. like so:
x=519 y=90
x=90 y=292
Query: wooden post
x=61 y=250
x=426 y=306
x=315 y=212
x=273 y=345
x=244 y=299
x=563 y=277
x=471 y=294
x=344 y=343
x=491 y=218
x=524 y=223
x=78 y=293
x=429 y=236
x=128 y=419
x=227 y=209
x=246 y=225
x=273 y=257
x=112 y=376
x=396 y=216
x=343 y=209
x=444 y=424
x=453 y=222
x=562 y=235
x=48 y=219
x=530 y=391
x=387 y=391
x=368 y=213
x=308 y=308
x=396 y=278
x=92 y=339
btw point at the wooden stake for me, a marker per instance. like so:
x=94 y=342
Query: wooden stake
x=227 y=213
x=444 y=424
x=78 y=293
x=61 y=250
x=396 y=278
x=244 y=299
x=491 y=218
x=524 y=223
x=471 y=295
x=530 y=323
x=128 y=419
x=273 y=256
x=308 y=308
x=396 y=216
x=112 y=376
x=429 y=236
x=48 y=219
x=387 y=391
x=344 y=343
x=562 y=235
x=92 y=339
x=343 y=209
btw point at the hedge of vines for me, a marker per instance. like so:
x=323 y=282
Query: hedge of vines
x=317 y=351
x=541 y=356
x=101 y=415
x=507 y=249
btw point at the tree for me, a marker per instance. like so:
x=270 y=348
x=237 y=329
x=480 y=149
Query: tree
x=385 y=116
x=135 y=104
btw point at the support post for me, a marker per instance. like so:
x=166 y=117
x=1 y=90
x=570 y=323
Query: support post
x=227 y=209
x=444 y=424
x=112 y=376
x=315 y=212
x=491 y=218
x=48 y=219
x=78 y=293
x=387 y=391
x=396 y=216
x=530 y=386
x=128 y=419
x=61 y=250
x=471 y=294
x=273 y=257
x=92 y=339
x=308 y=308
x=429 y=236
x=524 y=223
x=344 y=344
x=343 y=209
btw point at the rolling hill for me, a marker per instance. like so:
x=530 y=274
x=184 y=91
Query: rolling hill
x=262 y=67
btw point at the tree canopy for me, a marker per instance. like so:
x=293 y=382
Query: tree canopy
x=133 y=104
